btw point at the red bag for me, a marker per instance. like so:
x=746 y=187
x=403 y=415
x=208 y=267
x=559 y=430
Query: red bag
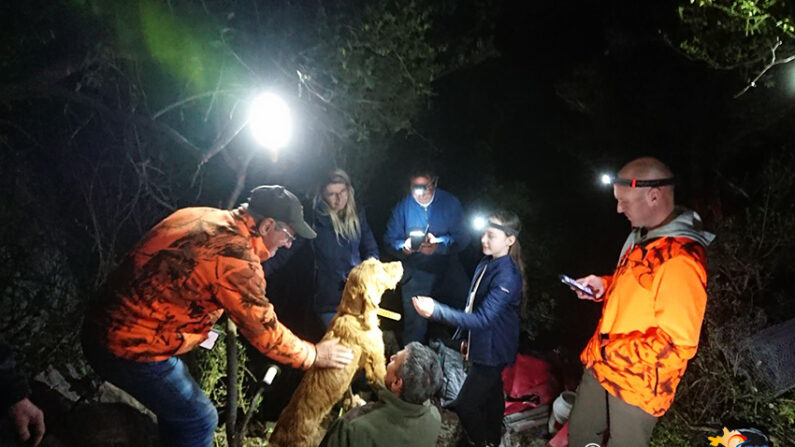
x=528 y=383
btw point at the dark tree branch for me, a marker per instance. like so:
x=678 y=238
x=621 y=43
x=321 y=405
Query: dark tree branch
x=773 y=62
x=119 y=115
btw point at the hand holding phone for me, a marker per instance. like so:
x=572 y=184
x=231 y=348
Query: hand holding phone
x=417 y=238
x=569 y=281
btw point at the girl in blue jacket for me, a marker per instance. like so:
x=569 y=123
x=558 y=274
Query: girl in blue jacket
x=490 y=327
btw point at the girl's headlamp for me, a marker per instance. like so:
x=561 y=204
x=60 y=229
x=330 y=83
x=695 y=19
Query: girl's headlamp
x=479 y=223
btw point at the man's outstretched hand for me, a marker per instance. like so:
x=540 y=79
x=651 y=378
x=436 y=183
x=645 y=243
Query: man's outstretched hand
x=331 y=354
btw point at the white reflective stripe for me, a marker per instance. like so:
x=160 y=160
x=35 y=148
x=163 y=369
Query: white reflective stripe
x=471 y=300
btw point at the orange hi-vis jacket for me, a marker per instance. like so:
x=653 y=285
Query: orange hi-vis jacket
x=172 y=287
x=653 y=308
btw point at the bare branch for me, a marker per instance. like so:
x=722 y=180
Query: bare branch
x=221 y=143
x=79 y=98
x=191 y=98
x=773 y=62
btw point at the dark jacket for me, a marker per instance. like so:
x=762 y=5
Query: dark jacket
x=335 y=258
x=13 y=385
x=493 y=325
x=443 y=218
x=389 y=422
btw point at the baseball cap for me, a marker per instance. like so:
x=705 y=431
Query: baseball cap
x=278 y=203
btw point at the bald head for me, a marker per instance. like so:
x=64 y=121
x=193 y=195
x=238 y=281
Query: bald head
x=645 y=168
x=645 y=206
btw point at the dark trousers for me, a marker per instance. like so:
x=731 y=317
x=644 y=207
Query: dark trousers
x=595 y=411
x=480 y=404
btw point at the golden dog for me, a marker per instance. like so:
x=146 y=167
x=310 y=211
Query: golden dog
x=356 y=325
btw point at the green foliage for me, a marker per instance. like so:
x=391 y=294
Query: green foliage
x=736 y=34
x=372 y=67
x=211 y=374
x=670 y=432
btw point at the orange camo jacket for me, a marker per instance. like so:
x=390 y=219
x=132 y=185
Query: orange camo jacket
x=653 y=308
x=172 y=287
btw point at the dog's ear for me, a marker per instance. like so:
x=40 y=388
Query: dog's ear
x=354 y=292
x=395 y=272
x=351 y=302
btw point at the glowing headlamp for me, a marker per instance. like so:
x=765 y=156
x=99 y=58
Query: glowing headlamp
x=636 y=183
x=479 y=223
x=419 y=190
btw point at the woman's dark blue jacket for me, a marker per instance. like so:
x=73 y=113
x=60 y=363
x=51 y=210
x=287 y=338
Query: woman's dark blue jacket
x=334 y=258
x=493 y=325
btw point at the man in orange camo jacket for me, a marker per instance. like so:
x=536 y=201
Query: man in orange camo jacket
x=172 y=287
x=653 y=306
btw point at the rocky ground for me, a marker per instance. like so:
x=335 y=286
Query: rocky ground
x=83 y=412
x=107 y=417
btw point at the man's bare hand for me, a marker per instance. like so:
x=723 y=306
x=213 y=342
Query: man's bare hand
x=28 y=420
x=595 y=283
x=407 y=247
x=428 y=247
x=331 y=354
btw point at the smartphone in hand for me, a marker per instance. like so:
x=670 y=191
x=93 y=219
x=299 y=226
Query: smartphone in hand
x=417 y=238
x=569 y=281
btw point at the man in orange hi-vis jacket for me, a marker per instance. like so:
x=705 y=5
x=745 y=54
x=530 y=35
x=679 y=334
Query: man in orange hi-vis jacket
x=173 y=286
x=653 y=306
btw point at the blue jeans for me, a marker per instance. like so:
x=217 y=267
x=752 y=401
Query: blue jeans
x=185 y=416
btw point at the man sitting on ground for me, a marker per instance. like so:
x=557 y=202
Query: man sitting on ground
x=403 y=414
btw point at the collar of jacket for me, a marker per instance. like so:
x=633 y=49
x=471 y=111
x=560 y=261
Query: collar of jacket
x=686 y=224
x=247 y=228
x=406 y=408
x=427 y=204
x=320 y=215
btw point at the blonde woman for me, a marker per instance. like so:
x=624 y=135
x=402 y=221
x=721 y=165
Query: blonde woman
x=344 y=239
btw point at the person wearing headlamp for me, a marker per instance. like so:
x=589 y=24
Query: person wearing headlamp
x=488 y=327
x=427 y=229
x=652 y=309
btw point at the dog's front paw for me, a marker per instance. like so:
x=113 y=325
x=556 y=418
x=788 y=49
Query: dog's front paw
x=352 y=401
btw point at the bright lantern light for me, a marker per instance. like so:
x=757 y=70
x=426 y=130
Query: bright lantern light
x=479 y=223
x=606 y=179
x=270 y=121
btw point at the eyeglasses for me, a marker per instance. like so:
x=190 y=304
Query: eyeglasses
x=342 y=193
x=290 y=236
